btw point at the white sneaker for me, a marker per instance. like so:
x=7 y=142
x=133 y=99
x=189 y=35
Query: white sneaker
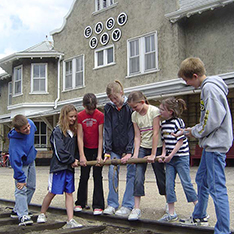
x=109 y=210
x=123 y=211
x=97 y=211
x=169 y=218
x=41 y=218
x=135 y=214
x=72 y=224
x=78 y=208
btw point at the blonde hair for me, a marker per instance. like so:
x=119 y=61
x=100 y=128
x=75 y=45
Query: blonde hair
x=191 y=66
x=114 y=87
x=19 y=121
x=63 y=120
x=137 y=96
x=177 y=106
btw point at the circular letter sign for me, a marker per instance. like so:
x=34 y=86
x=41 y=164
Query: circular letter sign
x=104 y=39
x=116 y=34
x=93 y=42
x=98 y=27
x=88 y=32
x=122 y=19
x=110 y=23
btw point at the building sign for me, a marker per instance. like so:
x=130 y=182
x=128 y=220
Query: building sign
x=104 y=38
x=116 y=34
x=98 y=27
x=110 y=23
x=93 y=42
x=122 y=19
x=88 y=32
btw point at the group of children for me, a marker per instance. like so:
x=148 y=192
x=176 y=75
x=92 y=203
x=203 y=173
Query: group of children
x=131 y=127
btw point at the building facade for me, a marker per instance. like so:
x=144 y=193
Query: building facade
x=139 y=43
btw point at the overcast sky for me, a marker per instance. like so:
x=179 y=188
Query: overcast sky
x=25 y=23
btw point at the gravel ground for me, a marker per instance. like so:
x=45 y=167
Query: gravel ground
x=152 y=205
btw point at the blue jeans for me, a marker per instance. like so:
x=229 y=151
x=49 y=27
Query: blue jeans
x=211 y=180
x=113 y=197
x=139 y=189
x=179 y=165
x=24 y=196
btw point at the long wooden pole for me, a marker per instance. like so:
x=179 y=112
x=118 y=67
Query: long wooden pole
x=117 y=161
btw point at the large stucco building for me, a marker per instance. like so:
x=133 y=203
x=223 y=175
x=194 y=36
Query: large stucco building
x=140 y=43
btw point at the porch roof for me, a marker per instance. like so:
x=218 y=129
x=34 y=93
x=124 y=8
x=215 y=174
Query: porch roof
x=191 y=7
x=153 y=91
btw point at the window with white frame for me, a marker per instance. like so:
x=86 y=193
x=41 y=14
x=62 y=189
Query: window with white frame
x=40 y=135
x=74 y=73
x=104 y=57
x=18 y=80
x=142 y=54
x=39 y=78
x=101 y=4
x=10 y=93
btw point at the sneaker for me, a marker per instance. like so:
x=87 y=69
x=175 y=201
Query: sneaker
x=41 y=218
x=13 y=214
x=169 y=218
x=123 y=211
x=109 y=210
x=135 y=214
x=196 y=222
x=72 y=224
x=78 y=208
x=25 y=220
x=97 y=211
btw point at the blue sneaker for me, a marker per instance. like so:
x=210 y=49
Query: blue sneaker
x=169 y=218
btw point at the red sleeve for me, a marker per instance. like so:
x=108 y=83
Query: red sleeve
x=80 y=117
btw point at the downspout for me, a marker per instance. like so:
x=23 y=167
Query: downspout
x=58 y=81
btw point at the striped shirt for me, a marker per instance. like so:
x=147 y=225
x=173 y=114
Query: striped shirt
x=172 y=126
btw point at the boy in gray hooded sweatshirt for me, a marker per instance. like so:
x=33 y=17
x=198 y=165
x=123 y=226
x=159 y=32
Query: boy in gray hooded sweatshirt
x=215 y=137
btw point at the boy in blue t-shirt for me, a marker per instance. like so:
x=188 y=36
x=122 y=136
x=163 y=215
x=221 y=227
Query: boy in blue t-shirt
x=22 y=157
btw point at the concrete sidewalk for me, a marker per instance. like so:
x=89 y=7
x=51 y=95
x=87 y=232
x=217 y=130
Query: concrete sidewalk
x=152 y=205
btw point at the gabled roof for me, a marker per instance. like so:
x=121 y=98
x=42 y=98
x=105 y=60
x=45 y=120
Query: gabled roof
x=43 y=46
x=64 y=20
x=44 y=49
x=191 y=7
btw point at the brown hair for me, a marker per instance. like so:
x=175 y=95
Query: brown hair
x=63 y=121
x=191 y=66
x=90 y=101
x=137 y=96
x=177 y=106
x=19 y=121
x=114 y=87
